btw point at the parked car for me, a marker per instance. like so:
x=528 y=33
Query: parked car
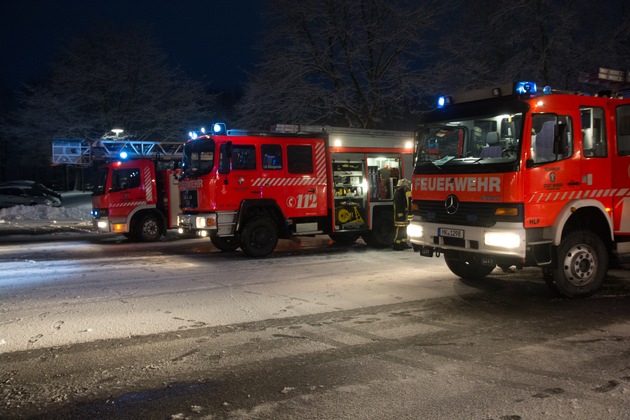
x=38 y=187
x=15 y=195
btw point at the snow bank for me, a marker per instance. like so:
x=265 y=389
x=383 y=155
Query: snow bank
x=76 y=207
x=32 y=213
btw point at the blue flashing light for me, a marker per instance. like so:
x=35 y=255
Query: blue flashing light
x=192 y=135
x=525 y=88
x=219 y=128
x=123 y=155
x=444 y=101
x=203 y=130
x=547 y=90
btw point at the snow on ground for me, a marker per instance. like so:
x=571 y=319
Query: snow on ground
x=74 y=211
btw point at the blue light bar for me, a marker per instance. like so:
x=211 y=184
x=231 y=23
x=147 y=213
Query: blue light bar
x=525 y=88
x=123 y=155
x=444 y=101
x=219 y=128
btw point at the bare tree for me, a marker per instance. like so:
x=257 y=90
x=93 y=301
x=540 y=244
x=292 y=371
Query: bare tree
x=346 y=62
x=109 y=78
x=549 y=41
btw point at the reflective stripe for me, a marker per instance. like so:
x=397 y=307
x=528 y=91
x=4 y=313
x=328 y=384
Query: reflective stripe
x=146 y=175
x=129 y=204
x=558 y=196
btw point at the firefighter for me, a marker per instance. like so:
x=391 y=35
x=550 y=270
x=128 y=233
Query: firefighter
x=401 y=212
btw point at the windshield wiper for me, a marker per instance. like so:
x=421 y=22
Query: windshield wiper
x=443 y=160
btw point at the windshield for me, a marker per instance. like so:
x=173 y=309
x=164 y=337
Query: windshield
x=101 y=181
x=198 y=157
x=484 y=140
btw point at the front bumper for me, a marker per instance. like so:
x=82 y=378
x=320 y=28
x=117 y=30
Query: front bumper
x=198 y=223
x=110 y=226
x=502 y=239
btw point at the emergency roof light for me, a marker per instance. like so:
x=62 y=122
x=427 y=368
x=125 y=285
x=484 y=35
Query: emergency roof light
x=219 y=128
x=444 y=101
x=192 y=135
x=525 y=88
x=123 y=155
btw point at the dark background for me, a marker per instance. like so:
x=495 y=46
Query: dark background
x=31 y=31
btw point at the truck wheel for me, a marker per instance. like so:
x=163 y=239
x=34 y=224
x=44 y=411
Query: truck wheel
x=149 y=229
x=259 y=237
x=225 y=243
x=466 y=269
x=344 y=238
x=582 y=262
x=383 y=232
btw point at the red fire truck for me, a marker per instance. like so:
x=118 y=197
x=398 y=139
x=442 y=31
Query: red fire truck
x=511 y=176
x=247 y=190
x=137 y=194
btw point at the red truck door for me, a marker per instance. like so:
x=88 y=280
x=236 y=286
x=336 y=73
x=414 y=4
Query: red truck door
x=553 y=178
x=306 y=182
x=131 y=186
x=620 y=167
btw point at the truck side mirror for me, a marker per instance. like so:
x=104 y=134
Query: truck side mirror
x=559 y=135
x=225 y=158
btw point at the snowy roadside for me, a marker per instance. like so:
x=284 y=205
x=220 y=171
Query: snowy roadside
x=73 y=216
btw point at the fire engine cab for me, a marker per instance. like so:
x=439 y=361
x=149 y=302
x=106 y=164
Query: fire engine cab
x=514 y=176
x=136 y=191
x=248 y=189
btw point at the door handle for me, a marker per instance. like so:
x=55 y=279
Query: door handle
x=573 y=183
x=312 y=190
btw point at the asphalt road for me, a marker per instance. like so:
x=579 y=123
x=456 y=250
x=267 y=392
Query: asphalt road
x=315 y=331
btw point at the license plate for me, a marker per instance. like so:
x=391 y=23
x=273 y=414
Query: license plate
x=451 y=233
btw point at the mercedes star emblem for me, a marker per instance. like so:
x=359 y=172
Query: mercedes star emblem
x=451 y=204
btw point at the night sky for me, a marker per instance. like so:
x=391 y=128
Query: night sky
x=211 y=40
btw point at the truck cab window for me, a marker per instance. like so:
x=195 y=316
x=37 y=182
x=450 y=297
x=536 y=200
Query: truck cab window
x=491 y=139
x=593 y=132
x=198 y=158
x=124 y=179
x=623 y=130
x=101 y=181
x=300 y=159
x=271 y=156
x=552 y=138
x=243 y=157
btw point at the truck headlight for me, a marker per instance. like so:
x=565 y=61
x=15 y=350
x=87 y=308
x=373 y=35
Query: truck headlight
x=502 y=239
x=205 y=222
x=414 y=231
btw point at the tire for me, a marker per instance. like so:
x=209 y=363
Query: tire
x=259 y=237
x=225 y=243
x=581 y=265
x=383 y=232
x=469 y=270
x=344 y=238
x=148 y=229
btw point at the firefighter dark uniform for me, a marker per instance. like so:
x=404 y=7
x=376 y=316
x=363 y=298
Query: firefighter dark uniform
x=401 y=213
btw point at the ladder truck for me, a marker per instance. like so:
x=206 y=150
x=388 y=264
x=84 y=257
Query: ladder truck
x=136 y=189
